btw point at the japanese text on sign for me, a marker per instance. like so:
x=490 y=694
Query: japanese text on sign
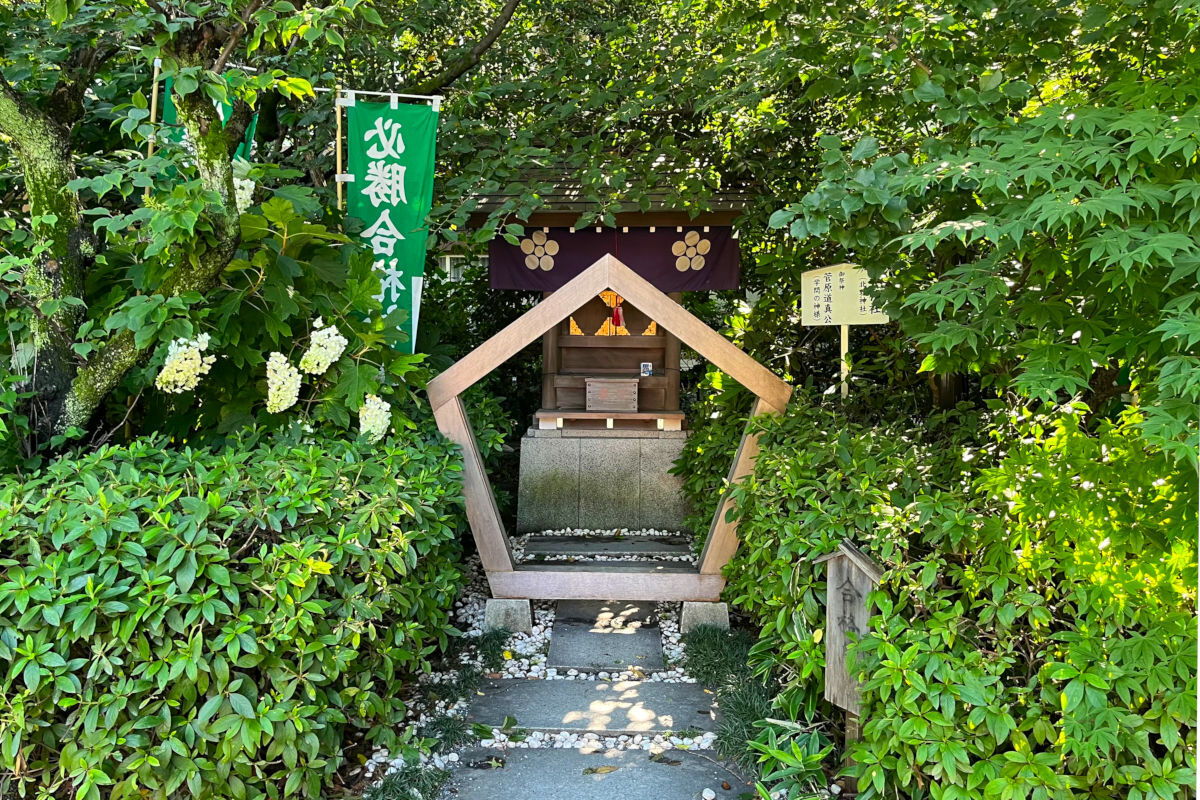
x=391 y=164
x=837 y=296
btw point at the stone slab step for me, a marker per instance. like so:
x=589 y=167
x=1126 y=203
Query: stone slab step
x=614 y=707
x=569 y=774
x=612 y=546
x=607 y=636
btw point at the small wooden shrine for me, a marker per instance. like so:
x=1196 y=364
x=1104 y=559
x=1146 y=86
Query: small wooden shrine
x=650 y=581
x=599 y=451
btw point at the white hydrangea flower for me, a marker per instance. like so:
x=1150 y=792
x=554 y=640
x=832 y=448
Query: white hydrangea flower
x=185 y=364
x=374 y=418
x=243 y=193
x=325 y=347
x=283 y=383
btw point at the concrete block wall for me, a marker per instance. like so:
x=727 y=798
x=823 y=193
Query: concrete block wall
x=600 y=479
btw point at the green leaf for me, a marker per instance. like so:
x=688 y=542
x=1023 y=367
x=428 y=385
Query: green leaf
x=185 y=84
x=241 y=705
x=57 y=11
x=930 y=92
x=865 y=148
x=32 y=676
x=991 y=80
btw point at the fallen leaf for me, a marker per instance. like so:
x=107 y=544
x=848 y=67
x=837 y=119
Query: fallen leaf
x=725 y=785
x=607 y=768
x=659 y=758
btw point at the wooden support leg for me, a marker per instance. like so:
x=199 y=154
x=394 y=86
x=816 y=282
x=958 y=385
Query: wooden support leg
x=482 y=513
x=722 y=539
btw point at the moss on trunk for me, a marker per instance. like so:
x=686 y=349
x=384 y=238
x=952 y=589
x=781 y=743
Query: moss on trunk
x=199 y=273
x=43 y=148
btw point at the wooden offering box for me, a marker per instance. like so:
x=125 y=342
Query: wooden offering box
x=612 y=394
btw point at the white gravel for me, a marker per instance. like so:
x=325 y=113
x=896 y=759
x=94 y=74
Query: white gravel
x=585 y=532
x=518 y=544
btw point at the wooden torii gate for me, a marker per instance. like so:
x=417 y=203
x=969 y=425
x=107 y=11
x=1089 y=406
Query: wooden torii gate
x=599 y=581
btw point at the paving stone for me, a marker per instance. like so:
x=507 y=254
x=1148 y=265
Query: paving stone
x=615 y=707
x=608 y=545
x=605 y=635
x=547 y=774
x=607 y=614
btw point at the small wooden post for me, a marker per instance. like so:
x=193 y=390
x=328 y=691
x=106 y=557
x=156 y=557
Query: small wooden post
x=153 y=112
x=851 y=575
x=845 y=361
x=337 y=115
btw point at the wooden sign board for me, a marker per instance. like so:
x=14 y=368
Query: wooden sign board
x=612 y=394
x=837 y=296
x=851 y=574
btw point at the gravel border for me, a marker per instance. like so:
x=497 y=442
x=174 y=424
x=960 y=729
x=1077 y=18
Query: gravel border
x=518 y=543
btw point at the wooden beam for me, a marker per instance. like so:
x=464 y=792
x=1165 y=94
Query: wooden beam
x=581 y=413
x=602 y=581
x=695 y=334
x=671 y=362
x=550 y=358
x=516 y=335
x=722 y=541
x=593 y=582
x=609 y=342
x=482 y=513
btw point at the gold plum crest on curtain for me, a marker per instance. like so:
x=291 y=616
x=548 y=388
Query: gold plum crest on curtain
x=690 y=250
x=539 y=251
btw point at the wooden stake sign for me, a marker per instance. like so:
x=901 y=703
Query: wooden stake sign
x=836 y=296
x=851 y=576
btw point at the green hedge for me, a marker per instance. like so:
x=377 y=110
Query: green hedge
x=218 y=623
x=1035 y=635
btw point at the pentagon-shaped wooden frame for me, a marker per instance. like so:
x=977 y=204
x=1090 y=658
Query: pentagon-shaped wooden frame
x=635 y=581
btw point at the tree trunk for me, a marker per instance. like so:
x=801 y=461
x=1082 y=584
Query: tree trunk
x=196 y=272
x=65 y=247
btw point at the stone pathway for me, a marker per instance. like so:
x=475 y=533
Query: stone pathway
x=590 y=636
x=594 y=738
x=588 y=775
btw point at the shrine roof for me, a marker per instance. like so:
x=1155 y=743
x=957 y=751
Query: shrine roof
x=565 y=198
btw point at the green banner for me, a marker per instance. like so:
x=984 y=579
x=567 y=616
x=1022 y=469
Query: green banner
x=391 y=190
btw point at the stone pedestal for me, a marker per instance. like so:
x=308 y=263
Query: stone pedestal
x=512 y=615
x=600 y=479
x=696 y=614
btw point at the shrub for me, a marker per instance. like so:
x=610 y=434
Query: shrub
x=218 y=622
x=1035 y=631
